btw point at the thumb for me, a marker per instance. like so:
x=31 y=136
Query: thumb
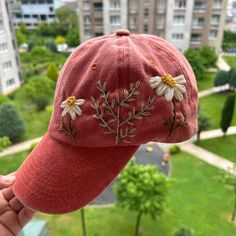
x=6 y=181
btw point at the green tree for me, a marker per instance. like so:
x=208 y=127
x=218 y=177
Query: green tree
x=40 y=51
x=52 y=72
x=143 y=189
x=229 y=40
x=203 y=124
x=20 y=37
x=194 y=58
x=209 y=57
x=67 y=20
x=221 y=78
x=11 y=123
x=60 y=40
x=72 y=38
x=229 y=179
x=227 y=113
x=4 y=142
x=39 y=90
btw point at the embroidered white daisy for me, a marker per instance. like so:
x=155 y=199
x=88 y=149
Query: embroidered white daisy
x=72 y=106
x=171 y=87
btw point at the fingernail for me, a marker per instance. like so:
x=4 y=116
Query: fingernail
x=8 y=178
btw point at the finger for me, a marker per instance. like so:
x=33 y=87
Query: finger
x=15 y=204
x=25 y=215
x=6 y=181
x=8 y=193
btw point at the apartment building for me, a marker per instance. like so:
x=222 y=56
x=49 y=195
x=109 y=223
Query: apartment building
x=184 y=23
x=33 y=12
x=10 y=77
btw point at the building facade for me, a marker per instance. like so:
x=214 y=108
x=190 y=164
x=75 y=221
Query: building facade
x=33 y=12
x=184 y=23
x=231 y=16
x=10 y=76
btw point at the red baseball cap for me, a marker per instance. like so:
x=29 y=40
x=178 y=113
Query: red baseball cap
x=113 y=94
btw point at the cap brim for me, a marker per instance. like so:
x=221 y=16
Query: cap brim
x=60 y=178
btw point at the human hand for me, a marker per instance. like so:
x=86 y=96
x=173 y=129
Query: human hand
x=13 y=215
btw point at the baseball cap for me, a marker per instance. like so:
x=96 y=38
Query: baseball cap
x=114 y=93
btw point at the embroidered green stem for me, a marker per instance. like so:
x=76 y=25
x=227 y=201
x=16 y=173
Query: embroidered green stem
x=70 y=131
x=174 y=117
x=117 y=127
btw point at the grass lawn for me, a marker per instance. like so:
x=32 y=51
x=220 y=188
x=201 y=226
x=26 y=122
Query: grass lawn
x=207 y=82
x=196 y=200
x=223 y=146
x=211 y=106
x=231 y=61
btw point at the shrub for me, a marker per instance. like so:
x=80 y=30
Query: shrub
x=72 y=38
x=42 y=101
x=3 y=99
x=12 y=124
x=222 y=78
x=195 y=60
x=40 y=51
x=53 y=72
x=49 y=109
x=232 y=77
x=227 y=113
x=4 y=142
x=52 y=46
x=209 y=57
x=60 y=40
x=174 y=149
x=183 y=232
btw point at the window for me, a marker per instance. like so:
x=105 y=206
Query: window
x=217 y=4
x=1 y=27
x=161 y=5
x=87 y=20
x=86 y=5
x=133 y=4
x=132 y=21
x=178 y=20
x=51 y=9
x=98 y=34
x=98 y=21
x=180 y=3
x=160 y=21
x=177 y=36
x=6 y=66
x=213 y=34
x=98 y=6
x=115 y=4
x=87 y=33
x=3 y=47
x=160 y=34
x=115 y=20
x=198 y=22
x=146 y=14
x=10 y=82
x=215 y=19
x=145 y=29
x=196 y=38
x=199 y=5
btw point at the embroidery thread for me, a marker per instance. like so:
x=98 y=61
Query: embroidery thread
x=173 y=89
x=71 y=106
x=114 y=124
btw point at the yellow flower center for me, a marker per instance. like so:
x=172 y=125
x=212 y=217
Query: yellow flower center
x=168 y=79
x=71 y=100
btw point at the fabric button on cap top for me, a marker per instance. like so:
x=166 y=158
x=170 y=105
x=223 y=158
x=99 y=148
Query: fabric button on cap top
x=121 y=32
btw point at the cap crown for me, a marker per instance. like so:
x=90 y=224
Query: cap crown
x=125 y=90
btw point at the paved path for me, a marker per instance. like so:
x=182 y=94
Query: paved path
x=222 y=64
x=206 y=92
x=209 y=157
x=19 y=147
